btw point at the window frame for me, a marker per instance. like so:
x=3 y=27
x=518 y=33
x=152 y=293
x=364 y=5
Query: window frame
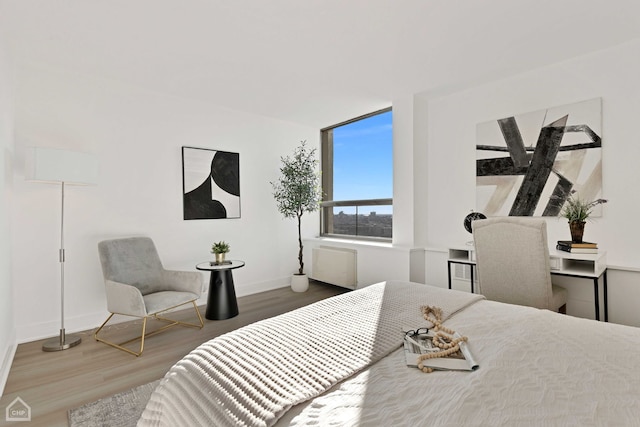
x=326 y=165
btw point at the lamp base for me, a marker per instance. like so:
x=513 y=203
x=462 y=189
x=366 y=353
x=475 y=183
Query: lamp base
x=63 y=342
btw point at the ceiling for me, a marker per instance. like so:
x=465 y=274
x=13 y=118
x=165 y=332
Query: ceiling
x=315 y=62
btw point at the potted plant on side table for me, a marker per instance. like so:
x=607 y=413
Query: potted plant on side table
x=297 y=191
x=220 y=249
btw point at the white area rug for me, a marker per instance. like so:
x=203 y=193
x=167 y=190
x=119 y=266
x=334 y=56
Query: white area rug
x=120 y=410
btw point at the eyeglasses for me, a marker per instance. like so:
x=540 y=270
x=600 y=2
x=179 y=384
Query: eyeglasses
x=419 y=331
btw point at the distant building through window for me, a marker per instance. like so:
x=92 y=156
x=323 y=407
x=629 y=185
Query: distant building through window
x=357 y=177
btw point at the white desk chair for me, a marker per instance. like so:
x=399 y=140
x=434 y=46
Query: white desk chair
x=512 y=260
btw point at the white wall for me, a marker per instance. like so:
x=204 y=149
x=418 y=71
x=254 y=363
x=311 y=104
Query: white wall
x=7 y=325
x=137 y=137
x=403 y=170
x=449 y=184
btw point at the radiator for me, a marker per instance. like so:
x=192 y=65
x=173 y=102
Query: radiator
x=336 y=266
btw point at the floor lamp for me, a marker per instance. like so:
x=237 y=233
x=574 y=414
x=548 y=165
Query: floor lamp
x=65 y=168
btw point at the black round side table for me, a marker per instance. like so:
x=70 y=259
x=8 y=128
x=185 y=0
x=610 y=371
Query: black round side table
x=221 y=302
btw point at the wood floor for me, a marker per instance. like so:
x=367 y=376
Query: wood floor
x=52 y=383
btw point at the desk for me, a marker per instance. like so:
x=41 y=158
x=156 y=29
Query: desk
x=221 y=302
x=581 y=266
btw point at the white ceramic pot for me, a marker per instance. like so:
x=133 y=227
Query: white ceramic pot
x=299 y=283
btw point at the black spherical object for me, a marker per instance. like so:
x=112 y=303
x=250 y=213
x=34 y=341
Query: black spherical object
x=472 y=217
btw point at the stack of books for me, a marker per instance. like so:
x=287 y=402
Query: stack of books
x=577 y=248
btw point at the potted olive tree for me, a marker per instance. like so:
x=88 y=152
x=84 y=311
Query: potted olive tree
x=297 y=191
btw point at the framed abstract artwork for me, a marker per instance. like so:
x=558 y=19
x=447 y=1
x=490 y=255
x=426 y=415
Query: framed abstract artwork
x=529 y=164
x=210 y=183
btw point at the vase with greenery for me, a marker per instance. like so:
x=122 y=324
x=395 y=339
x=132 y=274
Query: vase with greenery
x=577 y=211
x=298 y=189
x=220 y=249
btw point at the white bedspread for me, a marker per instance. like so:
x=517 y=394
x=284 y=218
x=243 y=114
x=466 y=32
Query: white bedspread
x=252 y=376
x=537 y=368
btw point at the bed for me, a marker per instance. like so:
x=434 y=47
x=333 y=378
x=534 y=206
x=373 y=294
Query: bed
x=340 y=362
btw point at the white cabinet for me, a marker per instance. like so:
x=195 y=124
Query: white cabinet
x=590 y=265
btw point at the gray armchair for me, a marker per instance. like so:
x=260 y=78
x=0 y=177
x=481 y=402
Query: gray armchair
x=512 y=259
x=138 y=285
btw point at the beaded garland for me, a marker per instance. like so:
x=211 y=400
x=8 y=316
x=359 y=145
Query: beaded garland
x=442 y=337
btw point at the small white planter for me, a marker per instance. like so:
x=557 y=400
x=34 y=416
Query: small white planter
x=299 y=283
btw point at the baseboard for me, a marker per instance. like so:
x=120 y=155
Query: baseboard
x=7 y=360
x=257 y=287
x=50 y=329
x=245 y=289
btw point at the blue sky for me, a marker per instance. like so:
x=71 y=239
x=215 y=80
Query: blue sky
x=363 y=162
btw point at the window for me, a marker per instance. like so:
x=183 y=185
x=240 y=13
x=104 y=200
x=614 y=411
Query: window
x=357 y=177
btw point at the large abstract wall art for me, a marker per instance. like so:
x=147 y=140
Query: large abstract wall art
x=210 y=183
x=527 y=165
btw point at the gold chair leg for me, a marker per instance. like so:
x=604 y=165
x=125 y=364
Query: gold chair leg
x=144 y=328
x=121 y=345
x=195 y=306
x=177 y=322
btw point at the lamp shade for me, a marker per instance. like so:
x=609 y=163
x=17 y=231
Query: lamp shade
x=55 y=165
